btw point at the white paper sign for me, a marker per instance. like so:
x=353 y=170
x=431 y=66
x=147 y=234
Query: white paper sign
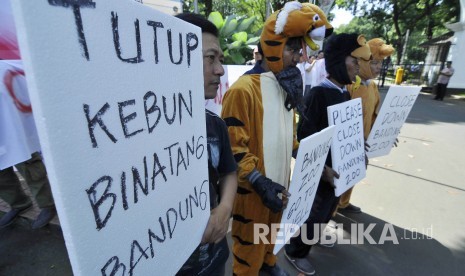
x=122 y=131
x=305 y=178
x=347 y=149
x=396 y=106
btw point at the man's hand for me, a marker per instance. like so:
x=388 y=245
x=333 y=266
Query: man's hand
x=285 y=197
x=328 y=175
x=268 y=192
x=217 y=226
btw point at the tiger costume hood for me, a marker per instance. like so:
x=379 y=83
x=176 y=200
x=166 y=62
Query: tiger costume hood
x=379 y=51
x=295 y=19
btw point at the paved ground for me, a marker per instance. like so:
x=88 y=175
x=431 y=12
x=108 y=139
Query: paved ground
x=418 y=191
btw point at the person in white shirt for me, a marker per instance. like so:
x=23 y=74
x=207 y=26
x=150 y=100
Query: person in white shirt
x=305 y=66
x=443 y=80
x=318 y=72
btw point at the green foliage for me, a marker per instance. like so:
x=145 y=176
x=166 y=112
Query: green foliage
x=390 y=19
x=242 y=8
x=235 y=36
x=362 y=25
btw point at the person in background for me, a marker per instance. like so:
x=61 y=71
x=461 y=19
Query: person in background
x=318 y=72
x=342 y=52
x=257 y=56
x=312 y=59
x=211 y=255
x=368 y=91
x=257 y=53
x=20 y=148
x=258 y=68
x=305 y=66
x=35 y=174
x=443 y=81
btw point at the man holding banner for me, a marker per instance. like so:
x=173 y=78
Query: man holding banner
x=210 y=257
x=342 y=52
x=367 y=90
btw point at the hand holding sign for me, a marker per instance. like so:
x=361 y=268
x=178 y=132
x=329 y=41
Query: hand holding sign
x=268 y=192
x=329 y=175
x=347 y=149
x=308 y=169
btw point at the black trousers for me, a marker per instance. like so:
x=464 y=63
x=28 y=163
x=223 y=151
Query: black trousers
x=322 y=209
x=209 y=259
x=441 y=91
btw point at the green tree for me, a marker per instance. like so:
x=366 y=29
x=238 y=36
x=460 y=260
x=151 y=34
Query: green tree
x=238 y=8
x=235 y=37
x=246 y=9
x=363 y=25
x=423 y=19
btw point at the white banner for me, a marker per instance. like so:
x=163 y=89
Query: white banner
x=347 y=149
x=122 y=131
x=231 y=74
x=396 y=106
x=18 y=134
x=305 y=178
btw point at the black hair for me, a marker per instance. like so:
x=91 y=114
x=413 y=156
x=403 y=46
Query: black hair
x=294 y=42
x=199 y=21
x=337 y=48
x=260 y=50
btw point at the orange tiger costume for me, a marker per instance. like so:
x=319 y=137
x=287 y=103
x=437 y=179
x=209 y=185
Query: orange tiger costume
x=261 y=130
x=367 y=90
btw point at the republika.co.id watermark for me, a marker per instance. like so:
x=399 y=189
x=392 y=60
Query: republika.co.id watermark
x=359 y=234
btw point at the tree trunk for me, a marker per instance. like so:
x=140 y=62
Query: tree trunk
x=208 y=7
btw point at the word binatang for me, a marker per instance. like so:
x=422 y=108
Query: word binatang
x=179 y=156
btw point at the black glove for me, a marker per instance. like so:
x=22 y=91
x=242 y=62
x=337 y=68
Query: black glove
x=268 y=192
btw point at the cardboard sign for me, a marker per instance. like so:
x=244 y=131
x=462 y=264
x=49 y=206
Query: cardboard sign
x=122 y=131
x=396 y=106
x=305 y=178
x=348 y=147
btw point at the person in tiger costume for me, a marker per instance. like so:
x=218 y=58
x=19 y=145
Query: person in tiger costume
x=342 y=53
x=259 y=112
x=368 y=91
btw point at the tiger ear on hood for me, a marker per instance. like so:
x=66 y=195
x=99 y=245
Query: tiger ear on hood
x=379 y=49
x=363 y=51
